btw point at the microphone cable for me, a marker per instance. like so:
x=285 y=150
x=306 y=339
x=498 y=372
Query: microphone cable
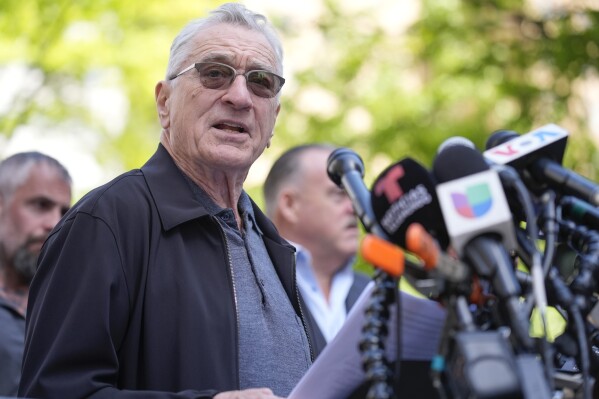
x=583 y=286
x=538 y=265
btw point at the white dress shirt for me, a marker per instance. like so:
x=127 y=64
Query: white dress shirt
x=329 y=316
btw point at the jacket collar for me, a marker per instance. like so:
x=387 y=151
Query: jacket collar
x=174 y=200
x=176 y=203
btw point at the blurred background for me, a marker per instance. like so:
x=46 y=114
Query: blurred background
x=387 y=78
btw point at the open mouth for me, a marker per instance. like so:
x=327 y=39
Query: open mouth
x=227 y=126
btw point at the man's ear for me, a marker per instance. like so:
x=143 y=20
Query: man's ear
x=288 y=204
x=162 y=94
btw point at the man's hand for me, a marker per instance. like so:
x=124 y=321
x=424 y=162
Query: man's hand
x=253 y=393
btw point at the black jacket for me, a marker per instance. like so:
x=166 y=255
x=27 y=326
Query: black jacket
x=134 y=292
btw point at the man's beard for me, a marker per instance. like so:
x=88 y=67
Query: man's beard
x=25 y=263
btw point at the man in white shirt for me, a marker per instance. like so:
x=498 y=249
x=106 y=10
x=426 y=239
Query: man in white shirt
x=317 y=217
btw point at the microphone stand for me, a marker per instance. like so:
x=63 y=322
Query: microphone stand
x=346 y=169
x=374 y=332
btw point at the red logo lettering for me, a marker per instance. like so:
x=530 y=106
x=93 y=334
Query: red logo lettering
x=507 y=150
x=389 y=186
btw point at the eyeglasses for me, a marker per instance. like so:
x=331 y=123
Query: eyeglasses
x=215 y=75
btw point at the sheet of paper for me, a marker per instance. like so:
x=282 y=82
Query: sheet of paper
x=338 y=369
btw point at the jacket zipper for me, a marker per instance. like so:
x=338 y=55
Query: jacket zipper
x=230 y=263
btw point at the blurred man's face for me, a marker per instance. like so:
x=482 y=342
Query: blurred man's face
x=328 y=224
x=28 y=216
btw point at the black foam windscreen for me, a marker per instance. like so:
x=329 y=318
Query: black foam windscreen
x=403 y=194
x=342 y=161
x=456 y=162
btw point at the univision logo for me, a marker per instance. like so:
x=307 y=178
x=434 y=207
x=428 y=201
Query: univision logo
x=475 y=202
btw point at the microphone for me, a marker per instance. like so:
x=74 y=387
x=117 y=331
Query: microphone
x=499 y=137
x=454 y=141
x=346 y=169
x=538 y=155
x=580 y=212
x=383 y=254
x=471 y=198
x=403 y=194
x=510 y=179
x=422 y=244
x=478 y=221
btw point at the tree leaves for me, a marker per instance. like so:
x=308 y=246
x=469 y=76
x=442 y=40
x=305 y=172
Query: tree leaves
x=356 y=76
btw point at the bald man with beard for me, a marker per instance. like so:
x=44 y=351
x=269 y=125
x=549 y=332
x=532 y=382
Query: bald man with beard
x=35 y=192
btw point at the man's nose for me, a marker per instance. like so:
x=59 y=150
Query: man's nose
x=238 y=94
x=348 y=205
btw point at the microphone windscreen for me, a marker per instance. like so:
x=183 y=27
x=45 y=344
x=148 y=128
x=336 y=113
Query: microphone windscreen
x=456 y=162
x=403 y=194
x=342 y=161
x=499 y=137
x=455 y=141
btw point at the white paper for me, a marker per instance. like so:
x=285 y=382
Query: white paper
x=338 y=369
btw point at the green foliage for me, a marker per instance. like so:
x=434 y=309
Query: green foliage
x=462 y=68
x=72 y=47
x=465 y=68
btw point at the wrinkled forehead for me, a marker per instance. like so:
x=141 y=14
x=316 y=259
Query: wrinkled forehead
x=237 y=46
